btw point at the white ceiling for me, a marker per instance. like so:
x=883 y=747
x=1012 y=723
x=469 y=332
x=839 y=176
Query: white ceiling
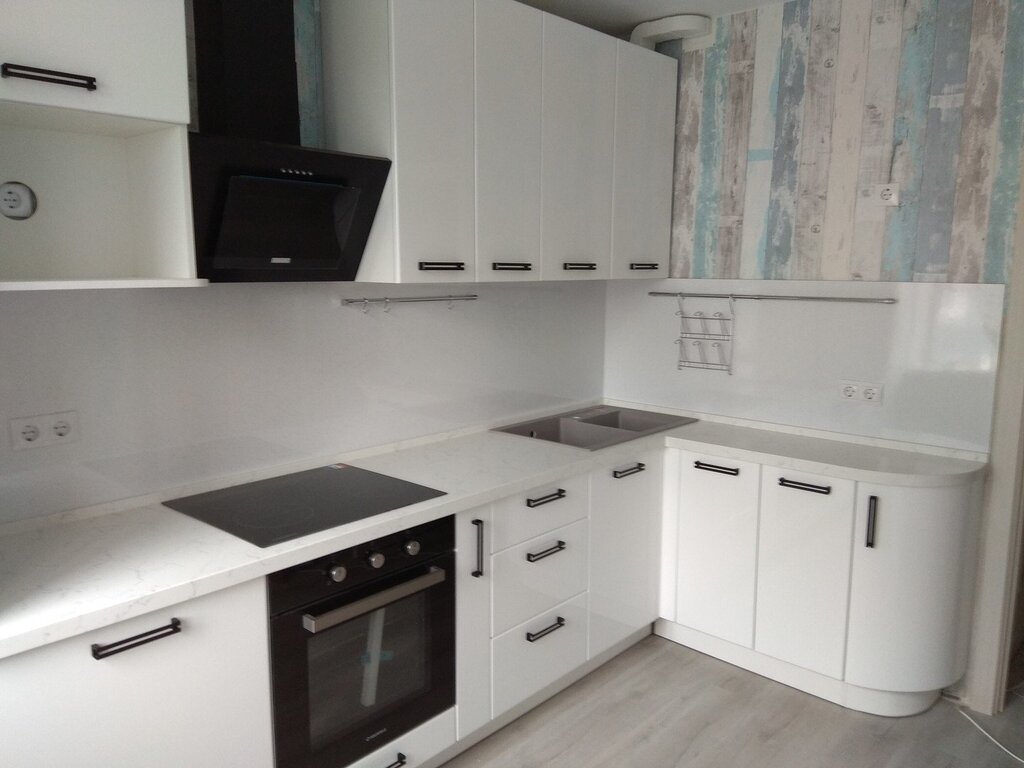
x=618 y=17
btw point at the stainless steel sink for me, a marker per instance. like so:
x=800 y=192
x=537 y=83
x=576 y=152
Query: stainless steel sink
x=596 y=427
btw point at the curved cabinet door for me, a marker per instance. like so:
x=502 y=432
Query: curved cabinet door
x=907 y=587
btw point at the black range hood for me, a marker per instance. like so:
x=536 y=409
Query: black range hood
x=265 y=207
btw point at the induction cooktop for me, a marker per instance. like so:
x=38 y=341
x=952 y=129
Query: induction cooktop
x=267 y=512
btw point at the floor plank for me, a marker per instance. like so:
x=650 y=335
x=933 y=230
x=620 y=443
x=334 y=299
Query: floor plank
x=662 y=705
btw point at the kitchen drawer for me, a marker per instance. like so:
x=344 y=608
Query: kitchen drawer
x=523 y=588
x=523 y=666
x=415 y=747
x=553 y=506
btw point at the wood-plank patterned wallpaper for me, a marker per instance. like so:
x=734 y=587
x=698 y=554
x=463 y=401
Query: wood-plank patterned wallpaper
x=795 y=116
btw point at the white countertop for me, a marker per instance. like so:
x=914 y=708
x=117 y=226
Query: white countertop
x=58 y=580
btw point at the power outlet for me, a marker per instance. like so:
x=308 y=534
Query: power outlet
x=861 y=392
x=44 y=429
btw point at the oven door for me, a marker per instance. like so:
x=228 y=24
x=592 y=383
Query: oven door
x=355 y=671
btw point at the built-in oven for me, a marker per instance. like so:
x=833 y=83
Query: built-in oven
x=362 y=646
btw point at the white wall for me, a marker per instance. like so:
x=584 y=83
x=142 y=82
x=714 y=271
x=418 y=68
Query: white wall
x=935 y=352
x=178 y=386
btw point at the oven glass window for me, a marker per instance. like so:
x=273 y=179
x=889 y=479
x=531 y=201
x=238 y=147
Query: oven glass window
x=366 y=666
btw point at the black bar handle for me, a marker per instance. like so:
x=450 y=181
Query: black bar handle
x=822 y=489
x=869 y=540
x=637 y=266
x=512 y=266
x=103 y=651
x=442 y=266
x=48 y=76
x=716 y=468
x=534 y=557
x=399 y=762
x=579 y=266
x=479 y=549
x=559 y=494
x=533 y=637
x=618 y=474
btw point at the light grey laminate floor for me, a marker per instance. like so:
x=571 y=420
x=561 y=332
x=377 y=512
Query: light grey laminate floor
x=660 y=705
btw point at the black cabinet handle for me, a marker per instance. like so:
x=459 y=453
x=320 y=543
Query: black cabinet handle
x=103 y=651
x=716 y=468
x=534 y=557
x=512 y=266
x=399 y=762
x=533 y=637
x=869 y=540
x=479 y=549
x=579 y=266
x=823 y=489
x=618 y=474
x=643 y=265
x=442 y=266
x=559 y=494
x=48 y=76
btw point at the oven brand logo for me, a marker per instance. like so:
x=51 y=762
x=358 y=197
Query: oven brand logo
x=373 y=736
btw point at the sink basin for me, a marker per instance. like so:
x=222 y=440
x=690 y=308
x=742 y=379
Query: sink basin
x=597 y=427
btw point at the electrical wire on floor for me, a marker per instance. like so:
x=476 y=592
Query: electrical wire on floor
x=985 y=733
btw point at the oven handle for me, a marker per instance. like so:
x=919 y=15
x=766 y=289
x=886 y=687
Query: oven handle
x=314 y=624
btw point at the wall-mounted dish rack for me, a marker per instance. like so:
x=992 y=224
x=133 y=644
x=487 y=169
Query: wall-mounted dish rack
x=705 y=340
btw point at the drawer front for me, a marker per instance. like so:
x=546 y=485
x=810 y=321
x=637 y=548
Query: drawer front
x=538 y=511
x=538 y=575
x=523 y=666
x=416 y=747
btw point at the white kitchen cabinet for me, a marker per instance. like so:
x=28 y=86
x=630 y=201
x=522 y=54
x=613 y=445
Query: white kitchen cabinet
x=533 y=576
x=645 y=112
x=803 y=569
x=134 y=49
x=200 y=697
x=399 y=83
x=414 y=748
x=577 y=147
x=910 y=553
x=717 y=529
x=509 y=66
x=473 y=583
x=625 y=526
x=538 y=652
x=539 y=510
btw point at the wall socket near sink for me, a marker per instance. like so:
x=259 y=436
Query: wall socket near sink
x=861 y=391
x=44 y=429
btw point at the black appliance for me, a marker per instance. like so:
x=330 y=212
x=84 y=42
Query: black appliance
x=270 y=511
x=265 y=208
x=362 y=646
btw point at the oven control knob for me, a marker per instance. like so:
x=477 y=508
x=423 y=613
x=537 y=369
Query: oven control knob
x=376 y=560
x=412 y=548
x=338 y=573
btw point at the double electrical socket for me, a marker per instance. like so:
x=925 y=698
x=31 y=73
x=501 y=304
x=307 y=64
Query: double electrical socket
x=44 y=429
x=861 y=392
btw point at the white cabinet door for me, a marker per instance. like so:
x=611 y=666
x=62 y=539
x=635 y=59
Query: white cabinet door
x=414 y=748
x=539 y=510
x=718 y=505
x=803 y=569
x=509 y=64
x=625 y=524
x=909 y=557
x=576 y=159
x=432 y=51
x=473 y=582
x=645 y=111
x=200 y=697
x=135 y=50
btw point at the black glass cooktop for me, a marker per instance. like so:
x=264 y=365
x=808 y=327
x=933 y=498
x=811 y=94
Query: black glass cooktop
x=270 y=511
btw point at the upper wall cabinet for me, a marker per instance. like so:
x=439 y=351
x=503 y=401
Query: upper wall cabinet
x=576 y=156
x=118 y=57
x=398 y=83
x=645 y=108
x=518 y=138
x=103 y=152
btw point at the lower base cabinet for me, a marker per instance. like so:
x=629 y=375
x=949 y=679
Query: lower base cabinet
x=195 y=697
x=415 y=747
